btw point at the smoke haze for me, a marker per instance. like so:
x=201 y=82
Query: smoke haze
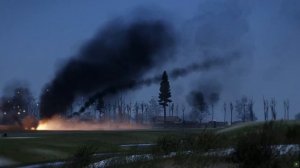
x=121 y=52
x=263 y=34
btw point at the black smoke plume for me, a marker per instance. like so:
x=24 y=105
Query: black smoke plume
x=212 y=93
x=121 y=52
x=206 y=95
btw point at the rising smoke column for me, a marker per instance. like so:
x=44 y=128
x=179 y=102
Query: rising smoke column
x=221 y=28
x=206 y=65
x=203 y=98
x=121 y=52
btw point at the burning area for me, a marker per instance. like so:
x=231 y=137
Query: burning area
x=58 y=123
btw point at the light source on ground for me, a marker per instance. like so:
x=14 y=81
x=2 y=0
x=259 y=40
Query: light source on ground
x=63 y=124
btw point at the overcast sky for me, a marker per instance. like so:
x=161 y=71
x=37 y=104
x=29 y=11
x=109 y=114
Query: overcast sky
x=36 y=37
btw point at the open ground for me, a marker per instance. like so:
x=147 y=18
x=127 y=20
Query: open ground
x=22 y=148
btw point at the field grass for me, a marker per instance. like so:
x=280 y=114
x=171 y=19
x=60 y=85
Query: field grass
x=283 y=128
x=45 y=146
x=252 y=126
x=29 y=147
x=253 y=144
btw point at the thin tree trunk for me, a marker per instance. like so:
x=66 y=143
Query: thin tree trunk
x=212 y=112
x=230 y=117
x=165 y=116
x=244 y=111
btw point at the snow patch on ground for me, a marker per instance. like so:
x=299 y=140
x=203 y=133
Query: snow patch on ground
x=283 y=150
x=53 y=164
x=6 y=162
x=126 y=146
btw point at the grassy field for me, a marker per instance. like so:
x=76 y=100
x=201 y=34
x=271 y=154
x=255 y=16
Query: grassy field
x=30 y=147
x=44 y=146
x=254 y=143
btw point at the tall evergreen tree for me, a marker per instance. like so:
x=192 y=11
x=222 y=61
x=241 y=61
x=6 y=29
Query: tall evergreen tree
x=164 y=93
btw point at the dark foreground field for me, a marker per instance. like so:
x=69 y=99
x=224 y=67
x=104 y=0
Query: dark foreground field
x=253 y=143
x=44 y=146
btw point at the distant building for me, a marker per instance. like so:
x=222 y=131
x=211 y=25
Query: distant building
x=169 y=120
x=216 y=124
x=237 y=122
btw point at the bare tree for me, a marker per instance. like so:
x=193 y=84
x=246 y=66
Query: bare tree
x=273 y=109
x=225 y=111
x=297 y=116
x=266 y=109
x=108 y=108
x=142 y=110
x=213 y=98
x=183 y=110
x=128 y=108
x=169 y=108
x=136 y=108
x=177 y=109
x=115 y=107
x=121 y=107
x=147 y=116
x=231 y=110
x=172 y=109
x=154 y=108
x=286 y=105
x=250 y=108
x=244 y=109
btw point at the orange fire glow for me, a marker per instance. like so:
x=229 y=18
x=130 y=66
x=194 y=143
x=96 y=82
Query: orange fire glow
x=59 y=123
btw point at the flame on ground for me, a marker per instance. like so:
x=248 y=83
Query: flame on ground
x=59 y=123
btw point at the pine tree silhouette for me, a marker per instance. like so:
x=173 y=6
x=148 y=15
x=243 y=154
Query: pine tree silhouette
x=164 y=93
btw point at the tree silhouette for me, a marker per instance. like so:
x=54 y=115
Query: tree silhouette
x=286 y=105
x=273 y=109
x=231 y=110
x=164 y=93
x=213 y=98
x=225 y=111
x=244 y=109
x=297 y=116
x=266 y=109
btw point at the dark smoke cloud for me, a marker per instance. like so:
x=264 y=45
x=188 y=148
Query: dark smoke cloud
x=221 y=28
x=210 y=89
x=117 y=58
x=205 y=65
x=211 y=92
x=203 y=97
x=121 y=52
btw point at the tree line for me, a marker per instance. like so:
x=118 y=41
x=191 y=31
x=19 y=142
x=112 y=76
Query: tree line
x=16 y=106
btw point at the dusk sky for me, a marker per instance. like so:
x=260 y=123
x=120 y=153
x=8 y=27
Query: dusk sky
x=38 y=37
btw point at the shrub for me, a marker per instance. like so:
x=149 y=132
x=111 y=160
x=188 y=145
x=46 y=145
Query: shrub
x=83 y=157
x=256 y=149
x=293 y=134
